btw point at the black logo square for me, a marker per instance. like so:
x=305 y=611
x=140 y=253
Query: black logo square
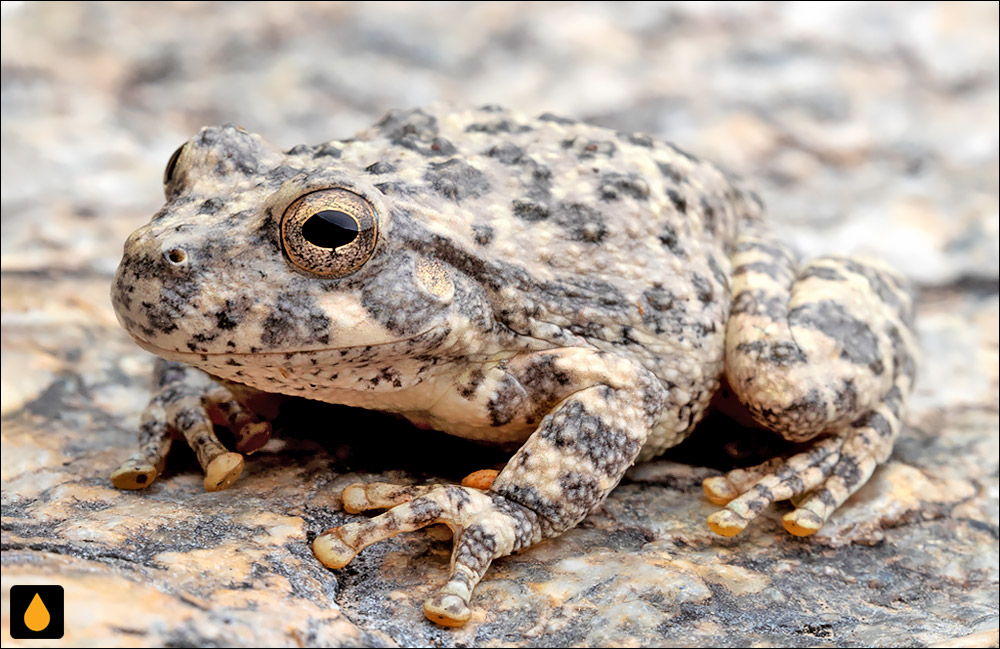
x=36 y=612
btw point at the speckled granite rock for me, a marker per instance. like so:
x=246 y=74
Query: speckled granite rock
x=870 y=128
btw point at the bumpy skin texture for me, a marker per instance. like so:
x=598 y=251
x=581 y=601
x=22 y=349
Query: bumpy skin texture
x=577 y=291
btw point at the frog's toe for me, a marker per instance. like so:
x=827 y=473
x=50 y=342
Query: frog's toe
x=802 y=522
x=333 y=551
x=222 y=471
x=363 y=496
x=727 y=523
x=134 y=473
x=447 y=609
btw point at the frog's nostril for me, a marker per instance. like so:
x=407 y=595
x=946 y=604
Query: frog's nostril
x=176 y=256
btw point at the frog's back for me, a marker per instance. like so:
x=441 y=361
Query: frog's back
x=583 y=236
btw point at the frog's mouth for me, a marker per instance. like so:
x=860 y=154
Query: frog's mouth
x=408 y=346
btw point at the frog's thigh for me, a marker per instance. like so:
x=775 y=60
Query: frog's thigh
x=600 y=409
x=826 y=350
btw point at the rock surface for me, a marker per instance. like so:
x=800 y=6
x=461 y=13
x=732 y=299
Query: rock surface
x=871 y=129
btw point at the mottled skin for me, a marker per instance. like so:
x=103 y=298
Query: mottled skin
x=577 y=291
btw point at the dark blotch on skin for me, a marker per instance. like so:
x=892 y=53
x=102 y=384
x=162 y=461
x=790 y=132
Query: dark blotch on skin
x=668 y=237
x=703 y=288
x=415 y=130
x=774 y=271
x=880 y=283
x=718 y=273
x=483 y=234
x=266 y=234
x=294 y=319
x=670 y=172
x=326 y=150
x=379 y=168
x=821 y=272
x=615 y=185
x=530 y=210
x=282 y=173
x=506 y=153
x=799 y=420
x=549 y=117
x=847 y=469
x=211 y=206
x=782 y=354
x=857 y=342
x=456 y=179
x=708 y=215
x=575 y=430
x=468 y=389
x=174 y=304
x=536 y=178
x=395 y=188
x=778 y=253
x=227 y=319
x=571 y=295
x=237 y=151
x=679 y=202
x=476 y=547
x=553 y=515
x=663 y=312
x=846 y=398
x=640 y=139
x=750 y=302
x=502 y=125
x=584 y=223
x=876 y=421
x=506 y=402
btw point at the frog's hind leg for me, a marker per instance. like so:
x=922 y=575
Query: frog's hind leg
x=825 y=352
x=598 y=410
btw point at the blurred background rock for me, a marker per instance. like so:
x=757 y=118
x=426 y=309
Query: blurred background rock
x=870 y=128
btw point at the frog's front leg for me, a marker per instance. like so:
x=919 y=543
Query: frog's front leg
x=186 y=403
x=592 y=414
x=826 y=351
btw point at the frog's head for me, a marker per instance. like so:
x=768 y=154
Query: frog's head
x=264 y=264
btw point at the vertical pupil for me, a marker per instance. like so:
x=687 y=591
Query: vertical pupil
x=330 y=229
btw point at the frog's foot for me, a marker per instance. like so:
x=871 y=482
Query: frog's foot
x=187 y=403
x=824 y=352
x=823 y=477
x=486 y=526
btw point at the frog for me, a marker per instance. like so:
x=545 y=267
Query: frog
x=576 y=293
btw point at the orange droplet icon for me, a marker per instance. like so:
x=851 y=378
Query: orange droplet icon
x=37 y=616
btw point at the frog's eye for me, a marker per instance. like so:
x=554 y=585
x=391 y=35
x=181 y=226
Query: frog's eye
x=331 y=232
x=168 y=173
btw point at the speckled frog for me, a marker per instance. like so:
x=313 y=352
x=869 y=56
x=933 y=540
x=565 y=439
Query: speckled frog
x=578 y=292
